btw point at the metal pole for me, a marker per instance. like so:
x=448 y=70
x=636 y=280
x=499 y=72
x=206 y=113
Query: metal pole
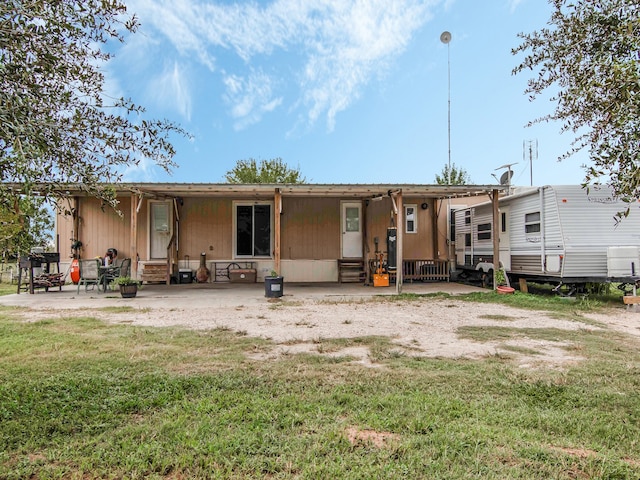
x=445 y=38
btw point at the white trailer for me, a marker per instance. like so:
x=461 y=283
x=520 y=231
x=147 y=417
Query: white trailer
x=559 y=234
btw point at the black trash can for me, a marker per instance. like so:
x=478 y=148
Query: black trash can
x=273 y=287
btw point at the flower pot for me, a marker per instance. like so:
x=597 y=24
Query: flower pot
x=128 y=291
x=504 y=290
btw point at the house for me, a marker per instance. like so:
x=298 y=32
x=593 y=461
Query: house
x=306 y=232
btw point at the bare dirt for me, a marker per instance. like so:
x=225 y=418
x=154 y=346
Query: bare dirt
x=426 y=327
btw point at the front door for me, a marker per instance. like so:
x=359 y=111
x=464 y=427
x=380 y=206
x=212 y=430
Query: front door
x=351 y=230
x=503 y=235
x=159 y=229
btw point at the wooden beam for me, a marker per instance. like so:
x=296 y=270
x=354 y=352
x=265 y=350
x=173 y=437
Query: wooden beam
x=495 y=233
x=435 y=239
x=133 y=237
x=399 y=236
x=277 y=237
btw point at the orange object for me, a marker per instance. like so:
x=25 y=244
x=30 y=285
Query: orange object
x=502 y=289
x=74 y=271
x=380 y=279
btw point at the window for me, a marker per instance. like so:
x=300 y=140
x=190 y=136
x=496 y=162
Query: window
x=467 y=239
x=484 y=231
x=503 y=222
x=410 y=219
x=532 y=222
x=253 y=230
x=467 y=217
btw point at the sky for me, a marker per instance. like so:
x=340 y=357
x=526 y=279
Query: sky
x=348 y=91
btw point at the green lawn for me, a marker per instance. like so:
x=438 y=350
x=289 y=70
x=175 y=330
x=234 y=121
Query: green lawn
x=83 y=399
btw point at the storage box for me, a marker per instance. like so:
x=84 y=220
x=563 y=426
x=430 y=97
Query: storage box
x=380 y=279
x=242 y=275
x=185 y=275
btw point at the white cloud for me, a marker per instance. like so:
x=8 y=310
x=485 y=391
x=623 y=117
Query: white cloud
x=170 y=88
x=327 y=50
x=249 y=98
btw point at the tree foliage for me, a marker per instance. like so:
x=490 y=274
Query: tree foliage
x=267 y=171
x=25 y=225
x=590 y=54
x=453 y=176
x=57 y=123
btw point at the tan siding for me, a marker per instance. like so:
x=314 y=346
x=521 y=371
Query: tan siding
x=99 y=229
x=310 y=228
x=416 y=245
x=206 y=226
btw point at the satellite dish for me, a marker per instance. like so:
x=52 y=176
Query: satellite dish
x=445 y=37
x=505 y=178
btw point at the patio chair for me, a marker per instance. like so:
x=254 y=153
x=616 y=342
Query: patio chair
x=89 y=274
x=120 y=269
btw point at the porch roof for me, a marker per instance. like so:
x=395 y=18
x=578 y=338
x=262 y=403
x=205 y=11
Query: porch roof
x=303 y=190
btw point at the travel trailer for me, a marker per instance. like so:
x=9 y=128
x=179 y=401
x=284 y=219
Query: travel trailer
x=567 y=235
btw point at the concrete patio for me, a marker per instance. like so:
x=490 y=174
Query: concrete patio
x=216 y=294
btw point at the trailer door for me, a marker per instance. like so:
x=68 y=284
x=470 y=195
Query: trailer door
x=505 y=241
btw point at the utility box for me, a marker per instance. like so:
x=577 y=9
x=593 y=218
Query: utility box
x=185 y=275
x=242 y=275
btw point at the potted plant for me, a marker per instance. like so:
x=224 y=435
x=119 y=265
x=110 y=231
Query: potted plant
x=502 y=282
x=128 y=286
x=273 y=285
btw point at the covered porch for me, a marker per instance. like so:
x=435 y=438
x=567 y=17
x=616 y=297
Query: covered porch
x=310 y=231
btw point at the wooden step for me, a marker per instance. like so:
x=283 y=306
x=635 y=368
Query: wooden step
x=351 y=270
x=154 y=272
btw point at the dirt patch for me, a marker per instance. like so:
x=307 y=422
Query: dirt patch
x=370 y=437
x=426 y=327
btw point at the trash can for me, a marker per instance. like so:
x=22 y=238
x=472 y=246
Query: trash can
x=185 y=275
x=273 y=287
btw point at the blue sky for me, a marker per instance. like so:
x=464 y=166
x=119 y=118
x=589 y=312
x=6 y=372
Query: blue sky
x=349 y=91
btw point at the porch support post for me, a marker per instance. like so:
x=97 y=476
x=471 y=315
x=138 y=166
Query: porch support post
x=435 y=238
x=365 y=241
x=400 y=240
x=76 y=218
x=133 y=237
x=277 y=226
x=496 y=238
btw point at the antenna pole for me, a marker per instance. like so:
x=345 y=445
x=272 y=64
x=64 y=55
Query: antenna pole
x=449 y=108
x=445 y=38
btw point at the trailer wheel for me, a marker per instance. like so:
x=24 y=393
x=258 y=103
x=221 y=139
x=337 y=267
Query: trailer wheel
x=487 y=279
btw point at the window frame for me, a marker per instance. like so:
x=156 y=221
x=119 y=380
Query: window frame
x=415 y=218
x=252 y=203
x=484 y=231
x=530 y=224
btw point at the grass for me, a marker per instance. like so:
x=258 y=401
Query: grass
x=84 y=399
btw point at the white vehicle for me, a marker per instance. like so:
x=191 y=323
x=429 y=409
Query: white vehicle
x=555 y=234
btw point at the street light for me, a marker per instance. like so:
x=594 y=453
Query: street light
x=445 y=37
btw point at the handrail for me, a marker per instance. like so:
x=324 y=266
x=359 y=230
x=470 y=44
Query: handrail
x=170 y=257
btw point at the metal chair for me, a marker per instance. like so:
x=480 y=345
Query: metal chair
x=89 y=274
x=120 y=269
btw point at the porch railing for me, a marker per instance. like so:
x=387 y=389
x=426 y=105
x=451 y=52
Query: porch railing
x=420 y=270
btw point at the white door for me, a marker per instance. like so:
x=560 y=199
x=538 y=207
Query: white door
x=159 y=229
x=503 y=236
x=351 y=230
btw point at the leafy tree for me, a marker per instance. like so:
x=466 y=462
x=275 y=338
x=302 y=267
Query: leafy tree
x=57 y=124
x=453 y=176
x=25 y=225
x=590 y=53
x=267 y=171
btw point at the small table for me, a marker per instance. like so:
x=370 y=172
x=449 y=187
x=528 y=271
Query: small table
x=106 y=275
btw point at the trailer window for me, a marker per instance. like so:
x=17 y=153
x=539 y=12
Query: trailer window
x=484 y=231
x=532 y=222
x=467 y=239
x=467 y=217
